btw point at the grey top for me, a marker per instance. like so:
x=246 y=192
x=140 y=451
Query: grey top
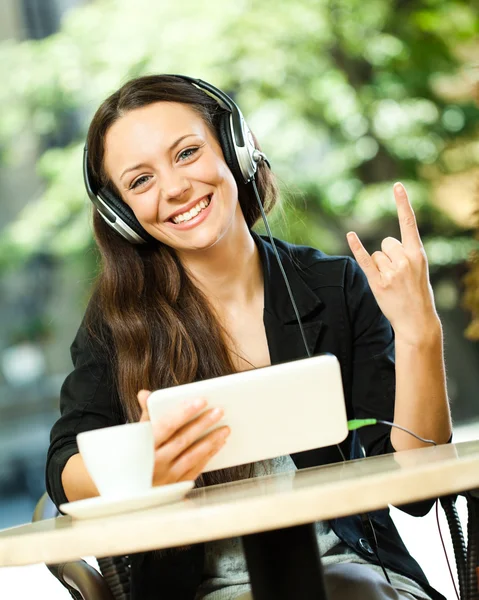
x=225 y=572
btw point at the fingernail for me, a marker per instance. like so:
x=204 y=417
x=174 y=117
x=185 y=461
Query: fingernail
x=398 y=186
x=217 y=412
x=196 y=402
x=225 y=432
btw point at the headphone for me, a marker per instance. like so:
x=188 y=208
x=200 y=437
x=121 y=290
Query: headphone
x=239 y=151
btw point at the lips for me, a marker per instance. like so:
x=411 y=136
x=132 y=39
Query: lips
x=194 y=221
x=188 y=207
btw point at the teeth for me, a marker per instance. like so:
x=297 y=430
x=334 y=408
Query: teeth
x=187 y=216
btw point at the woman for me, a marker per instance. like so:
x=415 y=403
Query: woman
x=204 y=297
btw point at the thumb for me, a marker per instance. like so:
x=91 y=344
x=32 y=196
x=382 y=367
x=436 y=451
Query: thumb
x=142 y=398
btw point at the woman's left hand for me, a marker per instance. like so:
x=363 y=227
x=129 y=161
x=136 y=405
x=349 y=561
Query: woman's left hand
x=398 y=276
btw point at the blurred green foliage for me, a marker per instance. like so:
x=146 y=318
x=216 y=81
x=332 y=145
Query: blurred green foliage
x=345 y=96
x=471 y=281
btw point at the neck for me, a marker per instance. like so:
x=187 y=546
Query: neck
x=229 y=273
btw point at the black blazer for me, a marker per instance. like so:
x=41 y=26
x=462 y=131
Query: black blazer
x=340 y=315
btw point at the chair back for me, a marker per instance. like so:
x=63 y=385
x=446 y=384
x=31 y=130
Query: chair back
x=82 y=581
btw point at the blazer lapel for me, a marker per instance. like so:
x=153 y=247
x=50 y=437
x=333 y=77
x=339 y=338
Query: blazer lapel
x=285 y=341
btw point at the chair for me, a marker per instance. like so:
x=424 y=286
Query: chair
x=82 y=580
x=85 y=583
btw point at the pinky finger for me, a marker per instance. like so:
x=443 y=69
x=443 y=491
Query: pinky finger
x=362 y=256
x=200 y=464
x=193 y=474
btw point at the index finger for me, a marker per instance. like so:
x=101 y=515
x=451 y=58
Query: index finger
x=410 y=237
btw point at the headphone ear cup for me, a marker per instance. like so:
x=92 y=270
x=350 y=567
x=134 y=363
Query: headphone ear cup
x=228 y=147
x=124 y=212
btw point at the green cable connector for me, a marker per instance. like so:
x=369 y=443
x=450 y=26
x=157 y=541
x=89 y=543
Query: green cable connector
x=357 y=423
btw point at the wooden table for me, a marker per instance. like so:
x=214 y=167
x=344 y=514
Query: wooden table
x=284 y=505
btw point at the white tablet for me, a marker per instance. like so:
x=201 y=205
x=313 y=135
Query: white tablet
x=272 y=411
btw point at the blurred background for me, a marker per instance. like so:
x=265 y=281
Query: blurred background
x=346 y=98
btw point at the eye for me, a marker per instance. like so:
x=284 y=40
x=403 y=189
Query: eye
x=140 y=181
x=188 y=153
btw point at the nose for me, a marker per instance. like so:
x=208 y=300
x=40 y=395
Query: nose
x=173 y=184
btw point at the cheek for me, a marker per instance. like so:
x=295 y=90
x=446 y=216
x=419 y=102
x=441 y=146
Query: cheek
x=229 y=181
x=145 y=207
x=213 y=170
x=220 y=175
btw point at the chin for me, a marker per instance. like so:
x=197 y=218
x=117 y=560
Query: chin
x=203 y=242
x=197 y=241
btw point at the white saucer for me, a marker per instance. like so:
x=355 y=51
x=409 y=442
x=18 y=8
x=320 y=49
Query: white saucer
x=92 y=508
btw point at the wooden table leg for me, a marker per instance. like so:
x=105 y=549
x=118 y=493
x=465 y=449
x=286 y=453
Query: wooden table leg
x=285 y=564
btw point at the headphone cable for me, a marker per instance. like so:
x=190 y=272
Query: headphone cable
x=288 y=287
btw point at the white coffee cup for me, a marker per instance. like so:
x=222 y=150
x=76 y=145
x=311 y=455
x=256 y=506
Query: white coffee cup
x=119 y=459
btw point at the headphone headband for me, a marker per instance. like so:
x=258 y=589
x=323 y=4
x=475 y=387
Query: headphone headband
x=228 y=103
x=238 y=147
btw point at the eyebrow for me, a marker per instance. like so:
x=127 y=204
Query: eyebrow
x=172 y=147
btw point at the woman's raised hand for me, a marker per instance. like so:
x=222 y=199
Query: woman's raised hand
x=398 y=275
x=178 y=456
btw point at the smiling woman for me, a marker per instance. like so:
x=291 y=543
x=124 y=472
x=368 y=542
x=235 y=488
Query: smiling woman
x=187 y=291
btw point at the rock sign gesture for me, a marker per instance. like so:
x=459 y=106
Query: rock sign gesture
x=398 y=275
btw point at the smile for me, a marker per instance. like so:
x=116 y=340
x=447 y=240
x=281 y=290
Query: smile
x=187 y=216
x=193 y=217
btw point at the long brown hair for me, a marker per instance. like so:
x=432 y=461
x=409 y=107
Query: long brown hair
x=155 y=324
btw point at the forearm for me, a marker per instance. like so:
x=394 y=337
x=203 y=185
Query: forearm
x=76 y=480
x=421 y=395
